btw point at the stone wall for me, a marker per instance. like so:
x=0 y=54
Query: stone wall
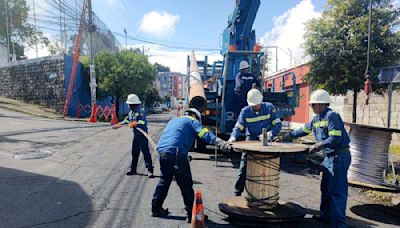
x=374 y=114
x=38 y=81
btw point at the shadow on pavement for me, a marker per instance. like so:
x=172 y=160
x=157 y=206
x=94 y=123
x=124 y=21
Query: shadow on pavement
x=29 y=199
x=379 y=213
x=174 y=217
x=297 y=165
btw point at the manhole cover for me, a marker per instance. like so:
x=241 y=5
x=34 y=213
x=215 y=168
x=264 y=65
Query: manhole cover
x=33 y=155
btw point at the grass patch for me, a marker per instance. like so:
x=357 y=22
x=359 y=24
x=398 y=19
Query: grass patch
x=381 y=197
x=394 y=149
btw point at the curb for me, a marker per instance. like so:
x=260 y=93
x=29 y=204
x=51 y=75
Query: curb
x=30 y=113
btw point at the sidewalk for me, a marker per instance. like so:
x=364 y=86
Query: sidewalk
x=31 y=109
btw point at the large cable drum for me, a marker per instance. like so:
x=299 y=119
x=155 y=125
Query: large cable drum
x=369 y=147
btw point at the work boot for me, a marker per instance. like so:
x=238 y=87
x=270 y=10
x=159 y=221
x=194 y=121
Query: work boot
x=321 y=219
x=130 y=173
x=150 y=174
x=159 y=212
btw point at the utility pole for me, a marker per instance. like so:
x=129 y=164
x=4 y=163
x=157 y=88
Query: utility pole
x=291 y=57
x=143 y=49
x=93 y=84
x=126 y=39
x=34 y=18
x=276 y=55
x=8 y=36
x=369 y=37
x=61 y=32
x=65 y=30
x=14 y=56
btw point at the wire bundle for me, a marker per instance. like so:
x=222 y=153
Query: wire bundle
x=369 y=150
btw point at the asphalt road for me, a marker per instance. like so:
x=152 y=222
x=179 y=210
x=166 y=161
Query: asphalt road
x=56 y=173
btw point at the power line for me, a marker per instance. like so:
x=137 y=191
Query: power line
x=166 y=45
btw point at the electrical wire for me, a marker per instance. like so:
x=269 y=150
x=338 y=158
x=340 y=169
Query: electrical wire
x=369 y=150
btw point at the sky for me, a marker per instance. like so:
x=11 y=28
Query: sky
x=198 y=25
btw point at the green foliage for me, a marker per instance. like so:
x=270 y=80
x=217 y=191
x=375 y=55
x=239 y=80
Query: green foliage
x=22 y=32
x=150 y=96
x=335 y=42
x=161 y=68
x=124 y=73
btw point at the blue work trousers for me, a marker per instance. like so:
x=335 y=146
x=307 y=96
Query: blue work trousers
x=334 y=189
x=140 y=143
x=241 y=179
x=178 y=167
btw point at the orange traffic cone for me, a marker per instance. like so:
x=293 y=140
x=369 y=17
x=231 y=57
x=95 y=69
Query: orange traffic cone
x=114 y=119
x=198 y=212
x=93 y=115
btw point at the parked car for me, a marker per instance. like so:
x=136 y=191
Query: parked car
x=164 y=107
x=157 y=108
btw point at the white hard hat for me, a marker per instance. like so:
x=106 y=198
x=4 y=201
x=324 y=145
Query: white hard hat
x=193 y=111
x=320 y=96
x=243 y=65
x=133 y=99
x=254 y=97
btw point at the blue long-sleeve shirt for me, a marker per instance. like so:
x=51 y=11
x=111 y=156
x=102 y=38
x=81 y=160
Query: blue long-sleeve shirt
x=244 y=82
x=138 y=115
x=180 y=134
x=254 y=122
x=327 y=128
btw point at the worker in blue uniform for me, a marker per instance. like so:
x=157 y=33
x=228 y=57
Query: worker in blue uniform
x=244 y=81
x=333 y=140
x=173 y=148
x=254 y=117
x=136 y=118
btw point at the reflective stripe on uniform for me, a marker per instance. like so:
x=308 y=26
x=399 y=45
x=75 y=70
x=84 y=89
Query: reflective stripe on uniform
x=258 y=118
x=202 y=132
x=274 y=122
x=335 y=133
x=323 y=123
x=136 y=114
x=141 y=122
x=238 y=125
x=190 y=117
x=306 y=130
x=127 y=121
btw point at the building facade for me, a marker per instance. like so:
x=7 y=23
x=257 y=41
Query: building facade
x=303 y=88
x=172 y=85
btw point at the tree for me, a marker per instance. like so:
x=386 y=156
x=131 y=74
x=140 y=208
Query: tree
x=123 y=73
x=161 y=68
x=150 y=96
x=336 y=44
x=20 y=32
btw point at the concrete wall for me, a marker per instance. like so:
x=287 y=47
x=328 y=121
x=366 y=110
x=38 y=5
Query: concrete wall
x=374 y=114
x=38 y=81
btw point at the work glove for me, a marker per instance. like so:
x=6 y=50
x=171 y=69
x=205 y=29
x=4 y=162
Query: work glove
x=231 y=139
x=132 y=124
x=222 y=145
x=315 y=148
x=116 y=126
x=269 y=136
x=284 y=138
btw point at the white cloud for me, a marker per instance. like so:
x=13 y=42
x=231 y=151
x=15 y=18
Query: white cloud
x=175 y=59
x=160 y=24
x=30 y=52
x=287 y=34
